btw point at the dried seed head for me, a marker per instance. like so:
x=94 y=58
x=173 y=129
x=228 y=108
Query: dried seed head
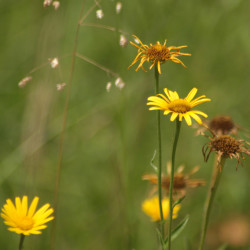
x=123 y=41
x=108 y=86
x=60 y=86
x=118 y=7
x=54 y=62
x=119 y=83
x=226 y=144
x=56 y=4
x=222 y=124
x=227 y=147
x=47 y=3
x=99 y=14
x=24 y=81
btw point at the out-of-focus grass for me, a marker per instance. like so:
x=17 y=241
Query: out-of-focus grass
x=110 y=137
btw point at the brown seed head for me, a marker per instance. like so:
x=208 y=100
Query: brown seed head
x=226 y=144
x=222 y=124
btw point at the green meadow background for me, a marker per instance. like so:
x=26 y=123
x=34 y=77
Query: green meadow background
x=110 y=137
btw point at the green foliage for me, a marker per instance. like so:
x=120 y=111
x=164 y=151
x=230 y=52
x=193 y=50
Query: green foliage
x=110 y=137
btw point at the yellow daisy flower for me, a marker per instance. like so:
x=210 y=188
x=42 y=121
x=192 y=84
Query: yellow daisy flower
x=157 y=54
x=171 y=103
x=22 y=220
x=151 y=208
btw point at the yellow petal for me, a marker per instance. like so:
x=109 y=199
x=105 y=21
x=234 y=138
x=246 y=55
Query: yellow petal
x=173 y=116
x=188 y=119
x=33 y=206
x=191 y=94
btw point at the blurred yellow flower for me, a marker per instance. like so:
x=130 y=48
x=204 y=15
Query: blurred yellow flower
x=171 y=103
x=151 y=208
x=22 y=220
x=157 y=54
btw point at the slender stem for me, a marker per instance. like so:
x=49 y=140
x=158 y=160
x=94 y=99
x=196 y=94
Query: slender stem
x=61 y=143
x=210 y=198
x=177 y=133
x=159 y=153
x=21 y=241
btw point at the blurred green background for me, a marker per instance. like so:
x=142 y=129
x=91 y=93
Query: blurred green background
x=111 y=137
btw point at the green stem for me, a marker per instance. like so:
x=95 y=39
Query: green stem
x=159 y=153
x=210 y=198
x=177 y=133
x=21 y=242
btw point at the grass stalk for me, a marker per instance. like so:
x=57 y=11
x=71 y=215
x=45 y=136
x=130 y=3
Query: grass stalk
x=61 y=143
x=159 y=154
x=210 y=198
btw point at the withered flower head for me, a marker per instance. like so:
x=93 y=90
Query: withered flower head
x=157 y=54
x=225 y=146
x=222 y=124
x=181 y=181
x=219 y=125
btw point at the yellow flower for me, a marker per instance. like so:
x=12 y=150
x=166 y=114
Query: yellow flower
x=157 y=54
x=151 y=208
x=22 y=220
x=171 y=103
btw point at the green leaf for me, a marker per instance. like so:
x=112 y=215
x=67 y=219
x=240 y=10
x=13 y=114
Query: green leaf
x=223 y=247
x=175 y=233
x=160 y=236
x=179 y=201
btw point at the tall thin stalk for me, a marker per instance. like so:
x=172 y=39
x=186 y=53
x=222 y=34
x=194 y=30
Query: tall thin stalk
x=159 y=153
x=61 y=143
x=177 y=133
x=210 y=198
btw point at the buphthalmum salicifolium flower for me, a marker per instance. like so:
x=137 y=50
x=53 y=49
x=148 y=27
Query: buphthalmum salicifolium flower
x=24 y=220
x=157 y=54
x=180 y=184
x=172 y=103
x=151 y=208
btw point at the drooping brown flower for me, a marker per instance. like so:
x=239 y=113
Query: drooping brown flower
x=219 y=125
x=181 y=181
x=225 y=146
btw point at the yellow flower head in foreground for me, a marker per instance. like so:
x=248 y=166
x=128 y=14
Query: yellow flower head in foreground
x=171 y=103
x=157 y=54
x=151 y=208
x=22 y=220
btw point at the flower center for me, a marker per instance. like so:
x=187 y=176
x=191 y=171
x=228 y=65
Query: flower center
x=158 y=52
x=226 y=144
x=25 y=223
x=179 y=182
x=222 y=124
x=179 y=106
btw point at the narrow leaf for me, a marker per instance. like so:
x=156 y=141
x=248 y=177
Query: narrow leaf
x=179 y=201
x=152 y=162
x=178 y=229
x=223 y=247
x=160 y=236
